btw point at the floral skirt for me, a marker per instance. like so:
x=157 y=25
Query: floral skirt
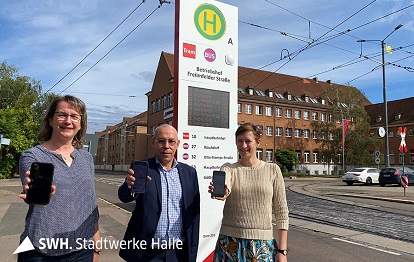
x=232 y=249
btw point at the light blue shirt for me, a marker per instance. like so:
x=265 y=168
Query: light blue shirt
x=170 y=224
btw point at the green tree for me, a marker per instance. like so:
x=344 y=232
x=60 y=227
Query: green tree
x=286 y=159
x=345 y=102
x=21 y=111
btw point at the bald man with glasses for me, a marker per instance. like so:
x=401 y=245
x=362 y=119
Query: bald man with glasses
x=166 y=217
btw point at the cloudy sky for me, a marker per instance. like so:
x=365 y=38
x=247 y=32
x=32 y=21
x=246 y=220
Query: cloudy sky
x=106 y=51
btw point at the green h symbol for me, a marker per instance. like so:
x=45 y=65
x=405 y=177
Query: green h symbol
x=213 y=23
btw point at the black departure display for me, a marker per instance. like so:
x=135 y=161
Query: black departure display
x=208 y=108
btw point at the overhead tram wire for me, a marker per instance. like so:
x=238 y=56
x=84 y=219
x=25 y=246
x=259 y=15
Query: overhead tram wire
x=307 y=46
x=112 y=48
x=315 y=44
x=113 y=30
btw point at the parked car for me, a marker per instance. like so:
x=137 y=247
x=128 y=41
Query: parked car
x=392 y=175
x=367 y=175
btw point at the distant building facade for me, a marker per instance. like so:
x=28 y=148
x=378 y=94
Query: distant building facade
x=119 y=145
x=282 y=106
x=400 y=114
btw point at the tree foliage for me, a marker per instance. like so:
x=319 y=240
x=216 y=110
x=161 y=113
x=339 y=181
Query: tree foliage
x=286 y=159
x=345 y=102
x=22 y=108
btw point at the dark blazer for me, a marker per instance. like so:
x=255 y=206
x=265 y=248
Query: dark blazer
x=144 y=219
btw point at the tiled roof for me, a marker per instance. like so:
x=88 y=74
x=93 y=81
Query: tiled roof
x=278 y=83
x=400 y=112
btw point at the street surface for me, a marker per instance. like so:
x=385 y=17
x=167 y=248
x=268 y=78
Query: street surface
x=330 y=221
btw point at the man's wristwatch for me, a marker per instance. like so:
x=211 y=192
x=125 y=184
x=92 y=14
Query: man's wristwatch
x=282 y=251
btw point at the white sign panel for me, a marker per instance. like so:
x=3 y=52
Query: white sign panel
x=207 y=53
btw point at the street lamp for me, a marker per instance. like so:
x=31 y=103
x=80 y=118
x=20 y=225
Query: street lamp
x=384 y=92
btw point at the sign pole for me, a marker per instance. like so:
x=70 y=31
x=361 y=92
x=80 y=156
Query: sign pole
x=403 y=148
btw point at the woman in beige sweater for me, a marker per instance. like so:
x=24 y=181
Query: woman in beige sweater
x=254 y=189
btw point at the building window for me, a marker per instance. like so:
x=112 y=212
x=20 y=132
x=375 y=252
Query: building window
x=306 y=115
x=330 y=118
x=259 y=110
x=269 y=130
x=269 y=155
x=158 y=104
x=248 y=109
x=315 y=116
x=390 y=134
x=153 y=107
x=260 y=129
x=306 y=133
x=392 y=159
x=288 y=113
x=279 y=131
x=299 y=154
x=164 y=102
x=298 y=132
x=279 y=112
x=239 y=108
x=315 y=134
x=401 y=161
x=170 y=99
x=268 y=110
x=411 y=156
x=330 y=136
x=297 y=114
x=259 y=153
x=288 y=132
x=323 y=117
x=306 y=157
x=315 y=157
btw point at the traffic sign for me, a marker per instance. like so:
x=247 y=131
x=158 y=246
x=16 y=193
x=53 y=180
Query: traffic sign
x=377 y=153
x=377 y=160
x=403 y=146
x=404 y=181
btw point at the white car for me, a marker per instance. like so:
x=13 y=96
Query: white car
x=367 y=175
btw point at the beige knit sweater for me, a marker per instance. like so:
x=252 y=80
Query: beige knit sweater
x=255 y=192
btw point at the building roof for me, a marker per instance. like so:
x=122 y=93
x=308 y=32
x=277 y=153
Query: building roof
x=400 y=112
x=279 y=84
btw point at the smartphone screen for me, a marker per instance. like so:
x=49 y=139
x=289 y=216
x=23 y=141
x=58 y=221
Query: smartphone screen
x=41 y=177
x=140 y=173
x=219 y=178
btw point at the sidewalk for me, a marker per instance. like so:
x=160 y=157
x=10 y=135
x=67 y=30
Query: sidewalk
x=313 y=186
x=13 y=210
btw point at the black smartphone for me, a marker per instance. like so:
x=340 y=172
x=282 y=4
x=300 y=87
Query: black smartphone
x=41 y=177
x=219 y=179
x=140 y=173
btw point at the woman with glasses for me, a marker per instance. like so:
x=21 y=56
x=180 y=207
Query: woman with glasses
x=254 y=190
x=72 y=213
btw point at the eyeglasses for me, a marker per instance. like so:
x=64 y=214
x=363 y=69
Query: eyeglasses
x=63 y=116
x=162 y=142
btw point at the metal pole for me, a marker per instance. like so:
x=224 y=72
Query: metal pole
x=384 y=90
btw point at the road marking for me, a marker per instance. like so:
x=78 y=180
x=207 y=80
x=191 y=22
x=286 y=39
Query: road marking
x=364 y=245
x=112 y=204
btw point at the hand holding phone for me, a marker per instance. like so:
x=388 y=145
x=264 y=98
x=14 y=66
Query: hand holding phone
x=219 y=179
x=40 y=186
x=140 y=169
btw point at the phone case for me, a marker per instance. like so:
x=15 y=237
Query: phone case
x=41 y=177
x=219 y=179
x=140 y=173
